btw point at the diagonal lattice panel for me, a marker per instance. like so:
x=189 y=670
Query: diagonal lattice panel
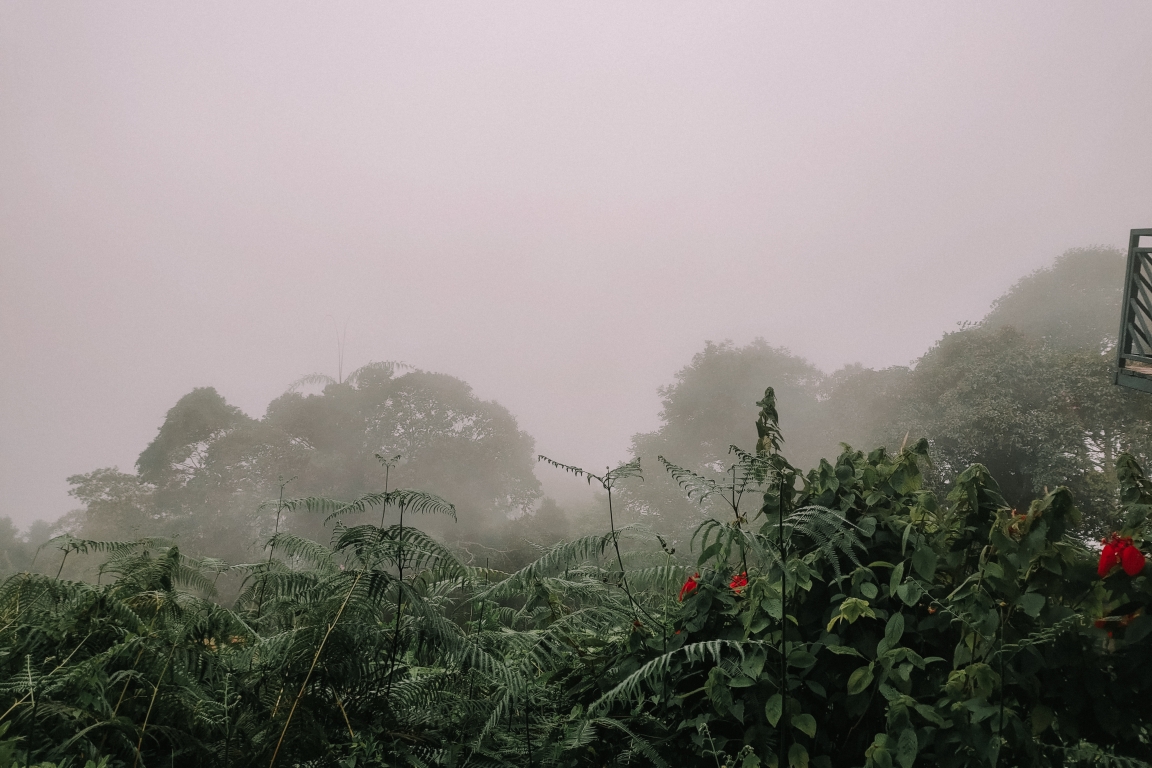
x=1140 y=317
x=1134 y=350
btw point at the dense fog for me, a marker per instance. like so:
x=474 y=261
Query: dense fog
x=258 y=253
x=575 y=385
x=1026 y=391
x=559 y=206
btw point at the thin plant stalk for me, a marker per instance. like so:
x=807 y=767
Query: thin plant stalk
x=311 y=669
x=527 y=730
x=272 y=550
x=340 y=704
x=736 y=514
x=384 y=507
x=619 y=559
x=399 y=607
x=62 y=561
x=148 y=714
x=783 y=621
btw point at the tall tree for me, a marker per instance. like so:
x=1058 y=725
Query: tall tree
x=709 y=408
x=1073 y=304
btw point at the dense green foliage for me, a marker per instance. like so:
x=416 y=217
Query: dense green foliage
x=878 y=625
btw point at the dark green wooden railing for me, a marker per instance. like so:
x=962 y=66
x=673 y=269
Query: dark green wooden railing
x=1134 y=350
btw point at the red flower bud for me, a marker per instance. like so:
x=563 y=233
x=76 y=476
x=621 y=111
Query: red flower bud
x=739 y=582
x=688 y=586
x=1108 y=560
x=1132 y=560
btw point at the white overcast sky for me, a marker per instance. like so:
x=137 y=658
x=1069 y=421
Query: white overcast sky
x=557 y=202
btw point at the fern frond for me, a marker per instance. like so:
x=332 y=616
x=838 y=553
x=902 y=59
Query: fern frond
x=388 y=366
x=630 y=688
x=696 y=486
x=310 y=379
x=404 y=500
x=608 y=479
x=303 y=549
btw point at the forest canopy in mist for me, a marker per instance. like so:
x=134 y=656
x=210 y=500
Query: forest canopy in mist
x=1026 y=392
x=370 y=574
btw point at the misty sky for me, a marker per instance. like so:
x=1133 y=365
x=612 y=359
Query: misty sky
x=557 y=202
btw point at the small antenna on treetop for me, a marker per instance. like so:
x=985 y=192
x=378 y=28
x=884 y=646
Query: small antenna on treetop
x=340 y=336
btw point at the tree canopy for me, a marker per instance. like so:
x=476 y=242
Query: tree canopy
x=1026 y=392
x=205 y=479
x=710 y=407
x=1075 y=303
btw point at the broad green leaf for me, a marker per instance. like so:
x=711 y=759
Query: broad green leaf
x=816 y=688
x=805 y=723
x=896 y=578
x=906 y=748
x=860 y=679
x=716 y=687
x=844 y=650
x=981 y=709
x=759 y=623
x=894 y=630
x=904 y=539
x=797 y=756
x=851 y=609
x=801 y=659
x=910 y=593
x=868 y=589
x=1042 y=717
x=709 y=552
x=1032 y=603
x=753 y=663
x=774 y=708
x=924 y=561
x=929 y=714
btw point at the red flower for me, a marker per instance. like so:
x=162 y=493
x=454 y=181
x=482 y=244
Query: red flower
x=1132 y=560
x=1111 y=556
x=739 y=582
x=1108 y=559
x=688 y=586
x=1121 y=552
